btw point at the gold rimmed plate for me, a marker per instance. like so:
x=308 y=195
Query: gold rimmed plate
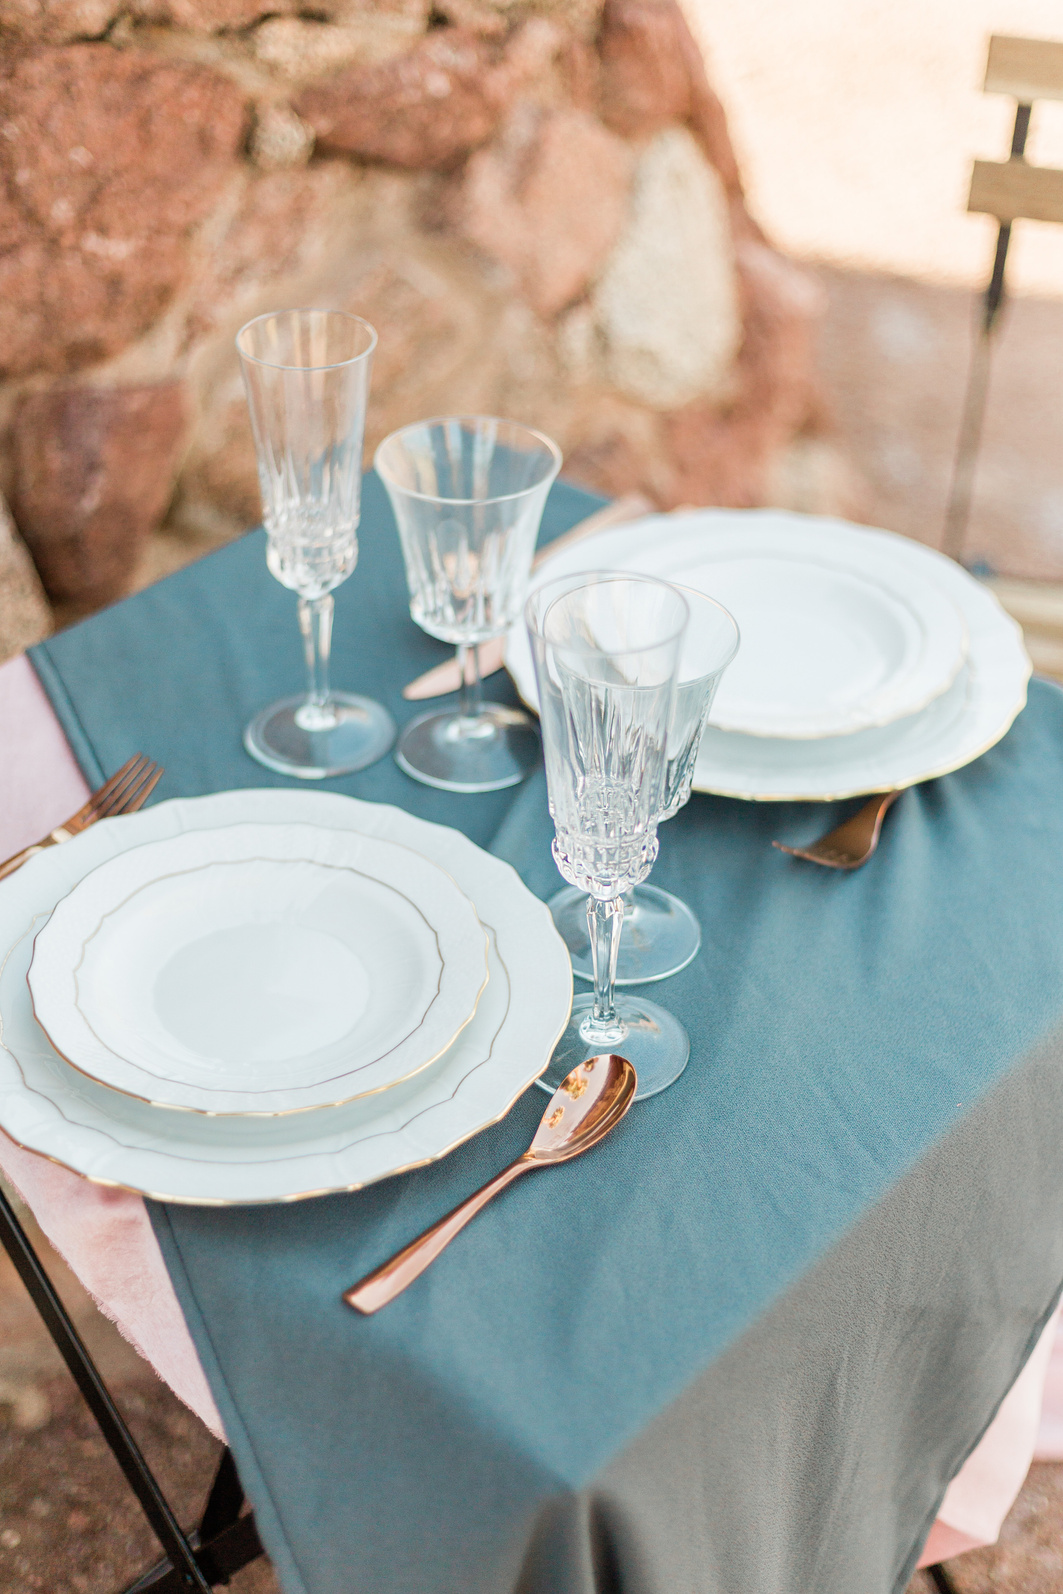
x=255 y=968
x=972 y=712
x=117 y=1140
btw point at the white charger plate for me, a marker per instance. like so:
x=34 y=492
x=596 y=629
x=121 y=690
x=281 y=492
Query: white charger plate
x=258 y=968
x=955 y=728
x=117 y=1140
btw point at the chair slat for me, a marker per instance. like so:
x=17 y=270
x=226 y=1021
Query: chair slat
x=1027 y=69
x=1009 y=189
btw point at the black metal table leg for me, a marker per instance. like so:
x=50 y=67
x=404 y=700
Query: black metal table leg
x=941 y=1580
x=225 y=1540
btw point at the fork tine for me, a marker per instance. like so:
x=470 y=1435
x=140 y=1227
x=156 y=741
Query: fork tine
x=134 y=793
x=86 y=812
x=104 y=801
x=137 y=802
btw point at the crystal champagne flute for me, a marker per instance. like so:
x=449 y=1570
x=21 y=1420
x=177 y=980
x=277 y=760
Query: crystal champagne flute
x=661 y=934
x=468 y=493
x=306 y=373
x=606 y=648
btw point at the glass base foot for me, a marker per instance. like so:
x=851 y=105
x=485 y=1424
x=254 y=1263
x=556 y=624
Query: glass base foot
x=660 y=935
x=294 y=738
x=499 y=748
x=647 y=1035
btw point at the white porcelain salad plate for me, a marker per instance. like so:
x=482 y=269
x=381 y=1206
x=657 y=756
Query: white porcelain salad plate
x=258 y=968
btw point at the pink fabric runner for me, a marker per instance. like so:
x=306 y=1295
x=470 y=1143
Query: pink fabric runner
x=103 y=1234
x=106 y=1237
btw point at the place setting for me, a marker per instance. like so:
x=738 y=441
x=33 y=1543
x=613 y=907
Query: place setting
x=262 y=995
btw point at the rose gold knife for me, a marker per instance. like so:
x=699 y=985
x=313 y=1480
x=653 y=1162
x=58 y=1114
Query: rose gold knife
x=446 y=678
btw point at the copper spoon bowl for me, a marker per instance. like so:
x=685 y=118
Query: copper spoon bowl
x=589 y=1102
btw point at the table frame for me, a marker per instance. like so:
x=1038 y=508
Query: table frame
x=224 y=1541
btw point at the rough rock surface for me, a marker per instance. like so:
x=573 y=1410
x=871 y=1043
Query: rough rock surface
x=645 y=80
x=209 y=16
x=774 y=398
x=548 y=199
x=25 y=617
x=432 y=105
x=298 y=48
x=107 y=160
x=94 y=471
x=666 y=307
x=57 y=21
x=535 y=202
x=653 y=74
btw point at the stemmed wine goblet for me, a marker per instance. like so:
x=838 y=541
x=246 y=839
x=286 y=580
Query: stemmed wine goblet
x=606 y=648
x=661 y=935
x=468 y=493
x=306 y=373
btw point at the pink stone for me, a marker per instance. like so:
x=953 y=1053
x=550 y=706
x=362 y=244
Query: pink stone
x=424 y=109
x=548 y=200
x=109 y=158
x=94 y=472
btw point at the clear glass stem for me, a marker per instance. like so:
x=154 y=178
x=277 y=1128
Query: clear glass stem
x=470 y=702
x=315 y=623
x=605 y=920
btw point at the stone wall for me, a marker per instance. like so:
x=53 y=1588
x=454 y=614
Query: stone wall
x=537 y=205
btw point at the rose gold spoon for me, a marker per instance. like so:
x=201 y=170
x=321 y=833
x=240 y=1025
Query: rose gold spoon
x=584 y=1107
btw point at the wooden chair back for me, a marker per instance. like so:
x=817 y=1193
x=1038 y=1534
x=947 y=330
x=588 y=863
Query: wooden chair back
x=1027 y=70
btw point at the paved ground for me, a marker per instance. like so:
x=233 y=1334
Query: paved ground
x=894 y=357
x=68 y=1523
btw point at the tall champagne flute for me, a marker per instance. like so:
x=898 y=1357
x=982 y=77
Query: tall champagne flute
x=468 y=493
x=661 y=934
x=306 y=373
x=606 y=648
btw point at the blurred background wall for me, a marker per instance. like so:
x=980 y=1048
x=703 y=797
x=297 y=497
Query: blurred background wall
x=736 y=275
x=855 y=125
x=536 y=204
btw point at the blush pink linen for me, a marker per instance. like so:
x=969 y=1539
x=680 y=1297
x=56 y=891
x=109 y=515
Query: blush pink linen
x=103 y=1234
x=107 y=1239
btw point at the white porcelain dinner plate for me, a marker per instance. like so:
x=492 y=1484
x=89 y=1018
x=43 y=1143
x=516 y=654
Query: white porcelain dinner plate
x=957 y=726
x=115 y=1139
x=258 y=968
x=837 y=636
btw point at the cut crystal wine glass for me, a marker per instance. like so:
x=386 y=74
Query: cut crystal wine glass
x=306 y=374
x=468 y=493
x=661 y=934
x=606 y=648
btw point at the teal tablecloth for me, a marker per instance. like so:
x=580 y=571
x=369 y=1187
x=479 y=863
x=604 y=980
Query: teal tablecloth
x=740 y=1349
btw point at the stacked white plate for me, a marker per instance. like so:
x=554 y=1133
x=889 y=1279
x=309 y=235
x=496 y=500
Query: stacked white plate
x=868 y=662
x=264 y=995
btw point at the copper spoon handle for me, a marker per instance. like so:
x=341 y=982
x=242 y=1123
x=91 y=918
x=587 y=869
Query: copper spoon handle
x=392 y=1277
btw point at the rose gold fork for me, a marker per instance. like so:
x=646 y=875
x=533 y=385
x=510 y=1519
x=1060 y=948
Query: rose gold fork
x=850 y=844
x=127 y=790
